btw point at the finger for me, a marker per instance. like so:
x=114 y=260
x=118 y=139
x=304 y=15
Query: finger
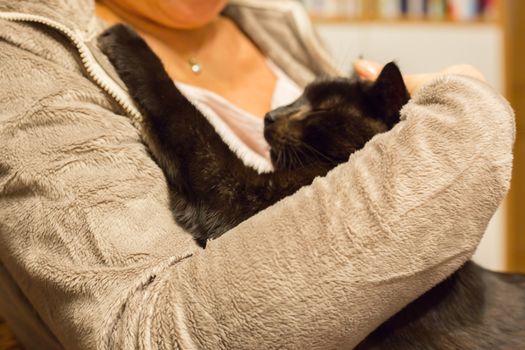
x=415 y=81
x=367 y=69
x=464 y=69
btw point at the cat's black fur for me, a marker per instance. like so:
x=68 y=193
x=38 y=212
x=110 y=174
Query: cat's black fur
x=212 y=190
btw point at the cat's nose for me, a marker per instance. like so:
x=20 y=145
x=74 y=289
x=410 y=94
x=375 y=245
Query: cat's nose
x=269 y=118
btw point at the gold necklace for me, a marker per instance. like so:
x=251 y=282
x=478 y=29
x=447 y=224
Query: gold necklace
x=193 y=61
x=195 y=66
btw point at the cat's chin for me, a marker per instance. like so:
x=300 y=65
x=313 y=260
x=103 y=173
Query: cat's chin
x=280 y=161
x=277 y=159
x=273 y=156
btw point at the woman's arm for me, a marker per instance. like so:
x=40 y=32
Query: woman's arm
x=86 y=228
x=324 y=267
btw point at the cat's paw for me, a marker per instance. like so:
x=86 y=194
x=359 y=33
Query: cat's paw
x=128 y=52
x=116 y=39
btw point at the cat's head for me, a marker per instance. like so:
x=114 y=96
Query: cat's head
x=334 y=118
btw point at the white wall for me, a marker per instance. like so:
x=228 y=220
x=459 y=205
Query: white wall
x=424 y=48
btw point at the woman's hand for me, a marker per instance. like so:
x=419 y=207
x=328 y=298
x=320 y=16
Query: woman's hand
x=370 y=70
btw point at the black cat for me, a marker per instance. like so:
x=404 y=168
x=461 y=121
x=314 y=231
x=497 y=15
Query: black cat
x=212 y=190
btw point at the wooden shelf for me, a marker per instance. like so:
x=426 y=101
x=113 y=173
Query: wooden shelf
x=404 y=21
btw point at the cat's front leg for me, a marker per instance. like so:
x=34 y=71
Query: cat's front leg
x=141 y=71
x=207 y=180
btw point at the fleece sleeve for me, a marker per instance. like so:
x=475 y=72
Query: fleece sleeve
x=86 y=232
x=324 y=267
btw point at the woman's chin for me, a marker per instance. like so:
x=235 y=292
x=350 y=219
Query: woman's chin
x=185 y=14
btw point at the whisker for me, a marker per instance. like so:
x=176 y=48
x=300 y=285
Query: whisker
x=298 y=158
x=319 y=153
x=289 y=157
x=292 y=158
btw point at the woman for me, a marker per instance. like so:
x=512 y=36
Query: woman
x=88 y=242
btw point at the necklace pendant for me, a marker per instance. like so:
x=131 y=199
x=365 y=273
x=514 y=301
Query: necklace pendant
x=195 y=66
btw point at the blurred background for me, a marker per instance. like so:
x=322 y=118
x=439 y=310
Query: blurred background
x=428 y=35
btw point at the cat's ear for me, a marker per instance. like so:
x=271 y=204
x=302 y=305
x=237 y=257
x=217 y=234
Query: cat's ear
x=388 y=94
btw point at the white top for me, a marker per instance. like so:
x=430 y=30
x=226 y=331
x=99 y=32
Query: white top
x=248 y=128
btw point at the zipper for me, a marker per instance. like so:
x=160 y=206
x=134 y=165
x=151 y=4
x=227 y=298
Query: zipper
x=93 y=69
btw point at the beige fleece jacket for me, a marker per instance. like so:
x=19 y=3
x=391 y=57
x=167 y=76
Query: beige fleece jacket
x=90 y=257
